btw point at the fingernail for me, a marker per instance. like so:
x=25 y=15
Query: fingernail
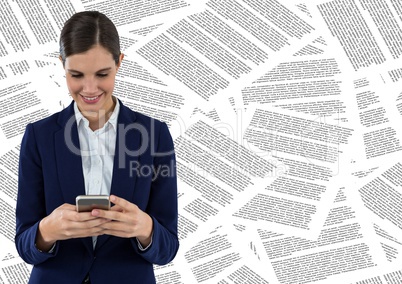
x=95 y=212
x=112 y=198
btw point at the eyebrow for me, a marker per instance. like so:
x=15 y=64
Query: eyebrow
x=101 y=70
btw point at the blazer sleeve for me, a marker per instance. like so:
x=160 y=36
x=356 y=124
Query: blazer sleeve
x=162 y=205
x=31 y=207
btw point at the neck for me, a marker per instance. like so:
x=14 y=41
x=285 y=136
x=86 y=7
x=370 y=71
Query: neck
x=98 y=119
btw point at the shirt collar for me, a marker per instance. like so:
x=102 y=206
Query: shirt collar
x=113 y=118
x=111 y=121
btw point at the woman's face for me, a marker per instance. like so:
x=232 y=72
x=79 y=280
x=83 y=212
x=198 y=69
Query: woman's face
x=90 y=79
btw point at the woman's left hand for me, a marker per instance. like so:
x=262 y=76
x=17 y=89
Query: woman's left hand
x=127 y=221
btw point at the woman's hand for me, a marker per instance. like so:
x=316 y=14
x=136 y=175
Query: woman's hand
x=127 y=221
x=66 y=223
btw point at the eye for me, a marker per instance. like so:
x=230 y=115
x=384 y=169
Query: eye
x=76 y=75
x=101 y=75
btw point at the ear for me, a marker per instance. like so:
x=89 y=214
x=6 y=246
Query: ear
x=121 y=56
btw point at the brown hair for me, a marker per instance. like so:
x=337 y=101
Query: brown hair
x=86 y=29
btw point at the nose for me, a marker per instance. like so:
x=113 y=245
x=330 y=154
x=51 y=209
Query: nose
x=90 y=86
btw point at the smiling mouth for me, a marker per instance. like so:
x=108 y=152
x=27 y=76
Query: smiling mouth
x=91 y=99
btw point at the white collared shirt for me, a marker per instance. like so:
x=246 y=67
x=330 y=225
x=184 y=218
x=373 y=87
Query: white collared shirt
x=97 y=152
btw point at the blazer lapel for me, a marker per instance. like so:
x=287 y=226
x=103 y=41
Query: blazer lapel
x=128 y=140
x=69 y=163
x=68 y=160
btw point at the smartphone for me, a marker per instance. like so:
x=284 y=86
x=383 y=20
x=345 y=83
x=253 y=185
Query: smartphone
x=86 y=203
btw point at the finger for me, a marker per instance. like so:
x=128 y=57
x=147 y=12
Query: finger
x=67 y=206
x=82 y=229
x=68 y=211
x=116 y=226
x=97 y=222
x=117 y=233
x=117 y=208
x=119 y=229
x=122 y=203
x=85 y=232
x=80 y=216
x=109 y=214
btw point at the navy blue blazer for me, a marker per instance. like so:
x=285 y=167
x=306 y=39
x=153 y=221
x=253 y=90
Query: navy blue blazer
x=50 y=174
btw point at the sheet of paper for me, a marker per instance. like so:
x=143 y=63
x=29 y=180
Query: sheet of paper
x=285 y=117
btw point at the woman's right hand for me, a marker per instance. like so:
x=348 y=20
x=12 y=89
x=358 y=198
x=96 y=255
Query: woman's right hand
x=66 y=223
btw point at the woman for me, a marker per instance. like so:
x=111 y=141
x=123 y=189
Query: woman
x=95 y=146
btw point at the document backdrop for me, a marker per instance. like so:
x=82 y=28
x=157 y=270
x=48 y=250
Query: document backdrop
x=286 y=119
